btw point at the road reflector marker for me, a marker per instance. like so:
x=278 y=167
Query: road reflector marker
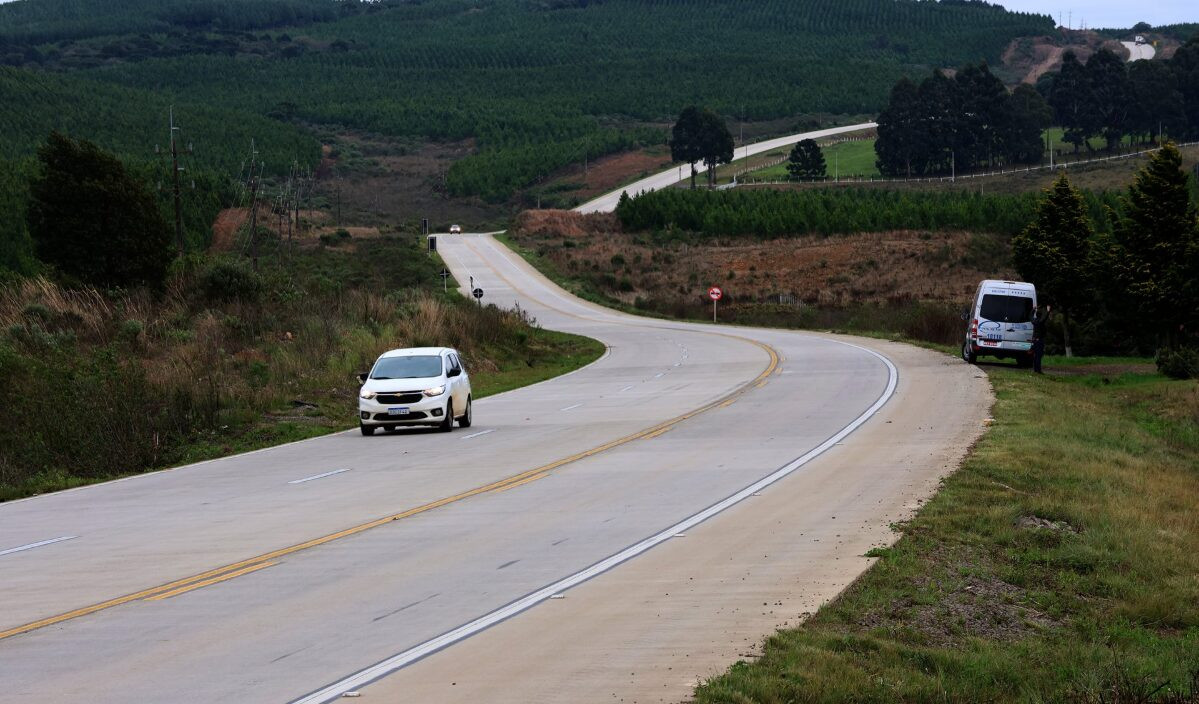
x=679 y=535
x=558 y=596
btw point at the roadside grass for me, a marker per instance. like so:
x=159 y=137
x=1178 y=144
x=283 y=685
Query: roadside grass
x=99 y=385
x=842 y=159
x=1059 y=563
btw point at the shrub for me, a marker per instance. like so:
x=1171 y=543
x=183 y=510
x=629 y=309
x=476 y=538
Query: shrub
x=1178 y=362
x=224 y=280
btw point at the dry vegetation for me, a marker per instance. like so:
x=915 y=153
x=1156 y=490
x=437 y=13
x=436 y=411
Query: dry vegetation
x=96 y=384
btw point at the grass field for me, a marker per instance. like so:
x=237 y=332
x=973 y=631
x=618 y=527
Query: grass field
x=843 y=159
x=1058 y=564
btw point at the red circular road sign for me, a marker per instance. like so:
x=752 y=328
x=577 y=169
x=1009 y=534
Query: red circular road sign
x=715 y=293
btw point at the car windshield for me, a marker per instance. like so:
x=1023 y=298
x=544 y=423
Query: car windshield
x=1006 y=309
x=415 y=367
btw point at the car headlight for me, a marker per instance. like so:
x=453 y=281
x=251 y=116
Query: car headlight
x=435 y=391
x=367 y=394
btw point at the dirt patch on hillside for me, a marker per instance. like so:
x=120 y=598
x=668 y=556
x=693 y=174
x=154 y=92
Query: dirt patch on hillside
x=231 y=226
x=572 y=185
x=830 y=271
x=1028 y=58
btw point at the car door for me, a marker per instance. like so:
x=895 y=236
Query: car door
x=461 y=384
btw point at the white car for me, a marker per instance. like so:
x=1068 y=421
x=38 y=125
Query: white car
x=415 y=386
x=455 y=229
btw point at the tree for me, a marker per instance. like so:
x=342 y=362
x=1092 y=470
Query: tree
x=1030 y=115
x=1185 y=65
x=806 y=162
x=90 y=219
x=1157 y=104
x=1110 y=96
x=1054 y=251
x=1071 y=99
x=716 y=143
x=899 y=131
x=1153 y=254
x=686 y=145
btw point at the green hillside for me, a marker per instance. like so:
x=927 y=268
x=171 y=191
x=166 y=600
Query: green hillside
x=536 y=84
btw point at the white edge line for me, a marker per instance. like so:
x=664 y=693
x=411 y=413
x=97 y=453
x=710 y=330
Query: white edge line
x=475 y=435
x=401 y=660
x=318 y=476
x=38 y=544
x=570 y=408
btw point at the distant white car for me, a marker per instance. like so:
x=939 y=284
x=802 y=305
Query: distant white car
x=455 y=229
x=415 y=386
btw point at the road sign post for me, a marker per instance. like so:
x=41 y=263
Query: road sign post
x=715 y=293
x=445 y=275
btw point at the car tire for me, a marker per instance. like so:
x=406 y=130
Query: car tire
x=448 y=423
x=465 y=420
x=367 y=430
x=968 y=354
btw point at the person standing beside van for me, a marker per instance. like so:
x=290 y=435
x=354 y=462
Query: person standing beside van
x=1040 y=318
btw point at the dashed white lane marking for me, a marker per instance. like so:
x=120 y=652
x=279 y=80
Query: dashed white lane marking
x=481 y=432
x=38 y=544
x=659 y=375
x=570 y=408
x=627 y=388
x=318 y=476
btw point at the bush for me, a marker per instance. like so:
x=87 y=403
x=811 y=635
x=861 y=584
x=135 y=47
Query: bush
x=1178 y=363
x=224 y=280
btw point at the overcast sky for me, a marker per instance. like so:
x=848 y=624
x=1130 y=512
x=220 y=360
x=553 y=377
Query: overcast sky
x=1110 y=13
x=1102 y=13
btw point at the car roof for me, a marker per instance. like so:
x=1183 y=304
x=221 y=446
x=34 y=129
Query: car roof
x=418 y=352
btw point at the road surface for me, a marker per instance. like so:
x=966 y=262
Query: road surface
x=683 y=496
x=1137 y=52
x=607 y=202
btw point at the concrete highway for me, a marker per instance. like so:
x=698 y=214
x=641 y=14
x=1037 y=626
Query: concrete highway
x=741 y=473
x=664 y=179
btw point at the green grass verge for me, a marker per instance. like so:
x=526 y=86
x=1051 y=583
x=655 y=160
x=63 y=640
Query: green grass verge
x=1058 y=564
x=844 y=158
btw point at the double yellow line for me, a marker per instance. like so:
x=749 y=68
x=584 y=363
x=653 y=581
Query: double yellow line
x=253 y=564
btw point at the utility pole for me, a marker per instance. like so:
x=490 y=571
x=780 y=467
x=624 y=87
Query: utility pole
x=253 y=206
x=175 y=175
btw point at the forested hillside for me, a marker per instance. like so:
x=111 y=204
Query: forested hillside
x=538 y=84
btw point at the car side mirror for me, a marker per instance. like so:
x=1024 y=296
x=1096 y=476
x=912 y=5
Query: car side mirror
x=363 y=377
x=965 y=314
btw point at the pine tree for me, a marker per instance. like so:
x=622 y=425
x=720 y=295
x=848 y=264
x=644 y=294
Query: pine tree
x=898 y=143
x=1153 y=255
x=806 y=162
x=1054 y=251
x=686 y=136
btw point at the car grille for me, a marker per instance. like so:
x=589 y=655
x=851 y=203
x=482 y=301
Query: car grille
x=415 y=415
x=405 y=397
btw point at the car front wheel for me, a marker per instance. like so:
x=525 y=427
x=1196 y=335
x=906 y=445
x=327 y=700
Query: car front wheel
x=447 y=424
x=366 y=429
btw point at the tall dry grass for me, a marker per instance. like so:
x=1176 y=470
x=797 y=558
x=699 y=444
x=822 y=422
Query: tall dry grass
x=97 y=384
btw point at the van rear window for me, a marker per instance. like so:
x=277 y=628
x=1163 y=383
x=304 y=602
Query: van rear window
x=1006 y=309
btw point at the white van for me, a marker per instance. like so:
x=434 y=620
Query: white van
x=999 y=324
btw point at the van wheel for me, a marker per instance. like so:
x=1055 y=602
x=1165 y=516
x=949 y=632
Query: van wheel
x=465 y=420
x=448 y=423
x=968 y=354
x=367 y=430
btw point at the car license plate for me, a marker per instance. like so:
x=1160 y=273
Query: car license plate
x=990 y=342
x=397 y=411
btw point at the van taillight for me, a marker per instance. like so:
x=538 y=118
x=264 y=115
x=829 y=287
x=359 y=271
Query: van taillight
x=974 y=328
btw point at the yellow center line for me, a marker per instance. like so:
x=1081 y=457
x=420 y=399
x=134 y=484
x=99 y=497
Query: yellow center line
x=227 y=571
x=214 y=580
x=522 y=482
